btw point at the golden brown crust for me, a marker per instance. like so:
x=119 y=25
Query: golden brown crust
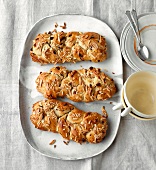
x=73 y=124
x=85 y=85
x=63 y=47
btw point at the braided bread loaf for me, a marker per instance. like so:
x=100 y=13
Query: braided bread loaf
x=63 y=47
x=65 y=119
x=85 y=85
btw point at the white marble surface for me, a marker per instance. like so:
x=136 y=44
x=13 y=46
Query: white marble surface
x=134 y=146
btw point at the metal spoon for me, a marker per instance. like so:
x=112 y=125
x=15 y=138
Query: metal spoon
x=143 y=52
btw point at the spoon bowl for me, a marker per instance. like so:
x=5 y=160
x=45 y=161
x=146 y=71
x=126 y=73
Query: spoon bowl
x=143 y=52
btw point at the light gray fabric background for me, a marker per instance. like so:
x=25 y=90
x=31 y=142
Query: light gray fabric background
x=135 y=144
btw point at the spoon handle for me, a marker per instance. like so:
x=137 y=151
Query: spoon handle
x=135 y=17
x=133 y=25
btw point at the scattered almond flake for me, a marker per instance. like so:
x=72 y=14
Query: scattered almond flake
x=52 y=142
x=54 y=146
x=66 y=142
x=104 y=112
x=64 y=26
x=56 y=24
x=54 y=31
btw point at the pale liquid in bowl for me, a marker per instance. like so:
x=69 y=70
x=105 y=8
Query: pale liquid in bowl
x=143 y=100
x=140 y=92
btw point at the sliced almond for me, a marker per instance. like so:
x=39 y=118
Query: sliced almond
x=52 y=142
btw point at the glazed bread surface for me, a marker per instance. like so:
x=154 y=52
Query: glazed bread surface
x=61 y=47
x=73 y=124
x=84 y=85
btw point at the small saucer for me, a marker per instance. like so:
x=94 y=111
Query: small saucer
x=131 y=113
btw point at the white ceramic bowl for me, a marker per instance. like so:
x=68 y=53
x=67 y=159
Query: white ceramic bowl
x=140 y=94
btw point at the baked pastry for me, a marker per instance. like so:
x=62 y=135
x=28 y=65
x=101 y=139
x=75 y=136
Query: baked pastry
x=63 y=47
x=84 y=85
x=73 y=124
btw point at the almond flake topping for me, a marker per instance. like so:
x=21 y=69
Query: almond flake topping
x=52 y=142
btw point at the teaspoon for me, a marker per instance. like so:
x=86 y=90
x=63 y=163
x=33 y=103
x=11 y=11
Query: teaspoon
x=143 y=52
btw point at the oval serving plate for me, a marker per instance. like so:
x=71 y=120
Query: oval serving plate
x=29 y=71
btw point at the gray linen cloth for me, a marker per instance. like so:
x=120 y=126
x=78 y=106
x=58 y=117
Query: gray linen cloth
x=134 y=146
